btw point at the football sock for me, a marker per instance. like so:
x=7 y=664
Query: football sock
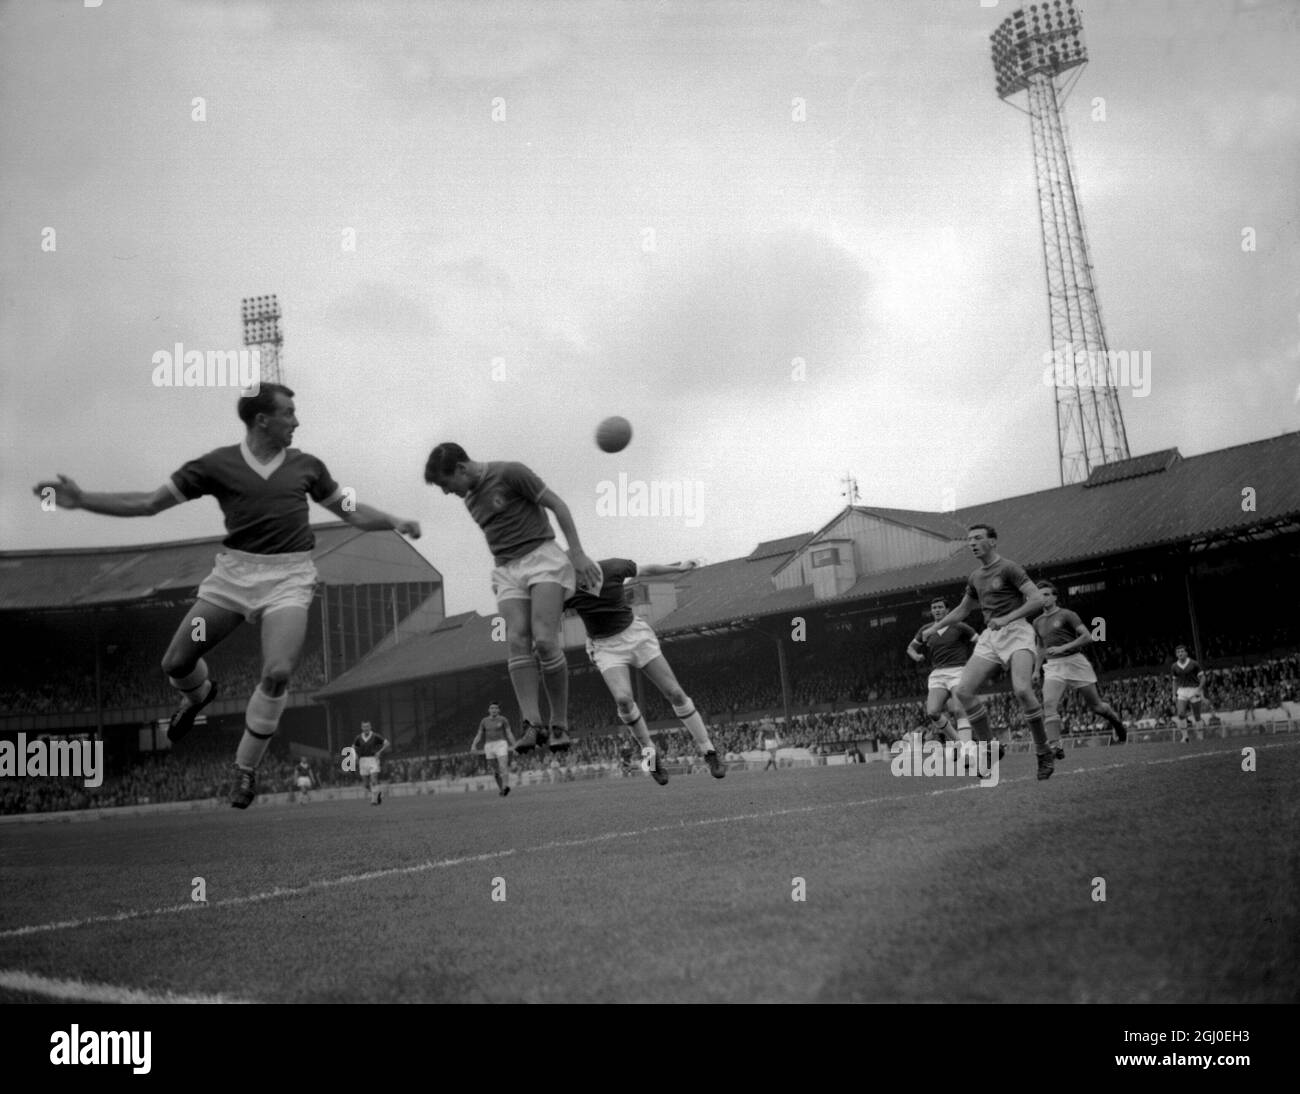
x=260 y=722
x=523 y=675
x=1035 y=719
x=695 y=725
x=555 y=678
x=940 y=722
x=634 y=722
x=194 y=686
x=979 y=722
x=1052 y=727
x=1115 y=724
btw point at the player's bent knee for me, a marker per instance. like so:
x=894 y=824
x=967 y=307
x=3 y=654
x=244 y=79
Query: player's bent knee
x=546 y=648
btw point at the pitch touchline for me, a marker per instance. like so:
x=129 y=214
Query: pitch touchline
x=487 y=856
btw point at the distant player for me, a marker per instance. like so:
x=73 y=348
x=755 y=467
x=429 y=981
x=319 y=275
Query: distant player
x=303 y=780
x=369 y=747
x=618 y=642
x=949 y=649
x=531 y=580
x=1062 y=638
x=496 y=740
x=1002 y=590
x=265 y=575
x=771 y=742
x=1189 y=680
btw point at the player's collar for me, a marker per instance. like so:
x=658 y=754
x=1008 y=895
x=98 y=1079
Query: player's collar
x=266 y=470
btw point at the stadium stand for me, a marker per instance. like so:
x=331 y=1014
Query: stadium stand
x=807 y=630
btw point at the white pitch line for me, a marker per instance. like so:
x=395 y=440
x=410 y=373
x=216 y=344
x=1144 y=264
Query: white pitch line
x=582 y=841
x=32 y=984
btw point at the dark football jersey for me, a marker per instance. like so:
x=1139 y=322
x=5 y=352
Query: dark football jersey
x=606 y=613
x=1186 y=676
x=494 y=729
x=1058 y=627
x=264 y=505
x=370 y=747
x=504 y=504
x=949 y=648
x=997 y=588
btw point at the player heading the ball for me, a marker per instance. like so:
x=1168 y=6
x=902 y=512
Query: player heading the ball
x=531 y=580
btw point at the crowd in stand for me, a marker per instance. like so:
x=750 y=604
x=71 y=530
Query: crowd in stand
x=202 y=769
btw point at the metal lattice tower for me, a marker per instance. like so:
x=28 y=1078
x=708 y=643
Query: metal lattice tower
x=1031 y=49
x=262 y=330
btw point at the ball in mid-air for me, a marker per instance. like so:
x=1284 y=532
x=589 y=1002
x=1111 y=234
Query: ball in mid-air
x=613 y=434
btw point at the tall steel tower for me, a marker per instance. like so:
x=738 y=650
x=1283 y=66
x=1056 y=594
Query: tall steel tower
x=262 y=330
x=1031 y=49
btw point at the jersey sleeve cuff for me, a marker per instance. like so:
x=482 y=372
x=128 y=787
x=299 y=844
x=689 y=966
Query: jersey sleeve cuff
x=175 y=492
x=336 y=496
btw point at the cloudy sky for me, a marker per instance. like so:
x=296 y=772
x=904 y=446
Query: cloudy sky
x=569 y=210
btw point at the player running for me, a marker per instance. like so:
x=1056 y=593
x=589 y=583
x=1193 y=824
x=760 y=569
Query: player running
x=531 y=580
x=1189 y=679
x=369 y=747
x=949 y=649
x=497 y=741
x=265 y=575
x=1062 y=638
x=1002 y=590
x=304 y=780
x=618 y=642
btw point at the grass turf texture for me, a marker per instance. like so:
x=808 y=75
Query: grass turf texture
x=620 y=890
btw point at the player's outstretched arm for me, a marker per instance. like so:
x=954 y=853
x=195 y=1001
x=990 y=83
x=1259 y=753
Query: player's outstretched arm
x=476 y=744
x=370 y=519
x=659 y=569
x=68 y=495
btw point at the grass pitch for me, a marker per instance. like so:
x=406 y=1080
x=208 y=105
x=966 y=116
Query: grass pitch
x=617 y=890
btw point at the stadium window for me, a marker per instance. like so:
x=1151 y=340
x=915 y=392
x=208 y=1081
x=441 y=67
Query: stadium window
x=827 y=556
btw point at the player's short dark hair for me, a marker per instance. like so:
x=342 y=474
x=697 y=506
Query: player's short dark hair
x=1180 y=646
x=989 y=530
x=443 y=459
x=250 y=406
x=938 y=600
x=1046 y=585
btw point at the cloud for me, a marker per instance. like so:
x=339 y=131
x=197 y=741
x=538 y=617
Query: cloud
x=739 y=311
x=374 y=307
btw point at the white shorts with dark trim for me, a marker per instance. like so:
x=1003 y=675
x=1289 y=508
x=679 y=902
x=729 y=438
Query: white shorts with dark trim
x=945 y=679
x=544 y=564
x=304 y=783
x=368 y=765
x=636 y=647
x=496 y=750
x=1073 y=669
x=998 y=646
x=1190 y=695
x=256 y=585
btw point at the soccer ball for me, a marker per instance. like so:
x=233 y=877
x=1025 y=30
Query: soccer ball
x=613 y=434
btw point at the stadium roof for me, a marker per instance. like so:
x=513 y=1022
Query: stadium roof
x=102 y=576
x=1160 y=499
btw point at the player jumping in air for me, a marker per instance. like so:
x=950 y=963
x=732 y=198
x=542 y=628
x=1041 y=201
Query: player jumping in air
x=1062 y=638
x=1002 y=590
x=531 y=580
x=265 y=575
x=1189 y=679
x=369 y=747
x=949 y=649
x=618 y=642
x=497 y=741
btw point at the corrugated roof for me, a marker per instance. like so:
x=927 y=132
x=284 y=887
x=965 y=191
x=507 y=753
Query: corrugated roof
x=89 y=576
x=940 y=524
x=770 y=548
